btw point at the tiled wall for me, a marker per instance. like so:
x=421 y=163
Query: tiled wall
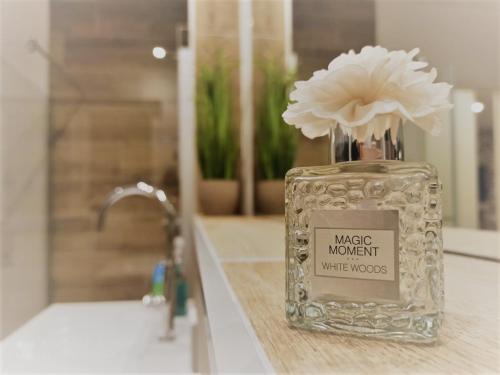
x=323 y=29
x=117 y=128
x=23 y=161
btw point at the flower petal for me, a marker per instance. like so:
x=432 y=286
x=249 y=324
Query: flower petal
x=367 y=93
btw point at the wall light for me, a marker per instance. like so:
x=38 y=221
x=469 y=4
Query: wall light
x=477 y=107
x=159 y=52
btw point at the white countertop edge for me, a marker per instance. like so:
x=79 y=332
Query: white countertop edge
x=236 y=346
x=252 y=259
x=472 y=242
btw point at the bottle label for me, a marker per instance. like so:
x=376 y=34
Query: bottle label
x=356 y=253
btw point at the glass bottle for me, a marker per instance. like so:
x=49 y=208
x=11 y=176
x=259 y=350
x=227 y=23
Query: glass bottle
x=364 y=251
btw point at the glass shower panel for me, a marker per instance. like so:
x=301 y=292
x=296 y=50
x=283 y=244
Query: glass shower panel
x=113 y=123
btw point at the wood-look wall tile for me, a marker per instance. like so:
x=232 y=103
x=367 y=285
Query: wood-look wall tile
x=123 y=130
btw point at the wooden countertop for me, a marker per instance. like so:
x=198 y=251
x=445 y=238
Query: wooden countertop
x=250 y=252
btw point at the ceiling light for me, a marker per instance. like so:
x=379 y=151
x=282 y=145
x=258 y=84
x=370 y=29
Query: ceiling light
x=477 y=107
x=159 y=52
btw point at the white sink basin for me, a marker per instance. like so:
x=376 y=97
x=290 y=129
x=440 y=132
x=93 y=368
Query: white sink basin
x=99 y=337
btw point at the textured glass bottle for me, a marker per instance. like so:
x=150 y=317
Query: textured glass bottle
x=363 y=244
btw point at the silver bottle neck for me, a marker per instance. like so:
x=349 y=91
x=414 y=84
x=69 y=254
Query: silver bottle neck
x=344 y=148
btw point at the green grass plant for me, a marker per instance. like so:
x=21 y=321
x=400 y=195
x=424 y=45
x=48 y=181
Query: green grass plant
x=276 y=141
x=216 y=139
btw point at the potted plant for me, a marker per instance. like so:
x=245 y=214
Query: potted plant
x=276 y=143
x=216 y=140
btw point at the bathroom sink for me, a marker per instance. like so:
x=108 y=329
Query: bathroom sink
x=99 y=337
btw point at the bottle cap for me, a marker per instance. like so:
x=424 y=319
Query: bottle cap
x=344 y=148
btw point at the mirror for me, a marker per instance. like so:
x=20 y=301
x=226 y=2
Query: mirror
x=467 y=152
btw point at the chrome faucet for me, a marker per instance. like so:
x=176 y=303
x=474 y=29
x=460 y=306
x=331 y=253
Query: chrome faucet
x=171 y=230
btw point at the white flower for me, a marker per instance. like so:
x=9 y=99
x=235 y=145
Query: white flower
x=368 y=93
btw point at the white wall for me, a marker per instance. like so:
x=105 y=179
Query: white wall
x=23 y=161
x=439 y=150
x=465 y=158
x=459 y=37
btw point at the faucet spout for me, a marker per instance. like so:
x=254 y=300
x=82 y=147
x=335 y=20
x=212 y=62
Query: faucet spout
x=171 y=231
x=139 y=189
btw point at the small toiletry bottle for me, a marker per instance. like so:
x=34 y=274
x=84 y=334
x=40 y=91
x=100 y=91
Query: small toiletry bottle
x=156 y=297
x=181 y=283
x=158 y=280
x=364 y=251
